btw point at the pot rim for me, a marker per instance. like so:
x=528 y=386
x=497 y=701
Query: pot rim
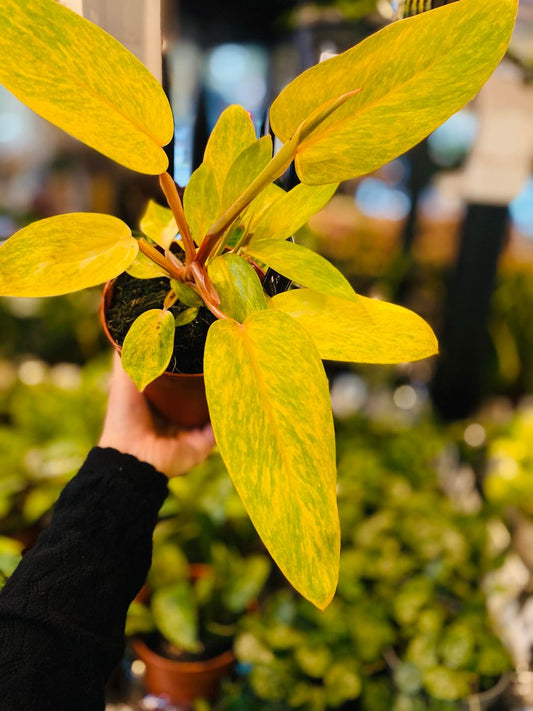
x=157 y=660
x=106 y=295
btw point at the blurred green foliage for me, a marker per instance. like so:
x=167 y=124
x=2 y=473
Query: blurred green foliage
x=408 y=628
x=508 y=482
x=47 y=426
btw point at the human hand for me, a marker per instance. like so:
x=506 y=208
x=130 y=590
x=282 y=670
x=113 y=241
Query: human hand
x=132 y=428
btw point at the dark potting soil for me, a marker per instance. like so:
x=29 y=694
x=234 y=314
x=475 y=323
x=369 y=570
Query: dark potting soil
x=131 y=297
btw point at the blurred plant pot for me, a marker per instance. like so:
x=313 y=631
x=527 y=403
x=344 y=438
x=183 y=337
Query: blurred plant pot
x=486 y=699
x=478 y=701
x=183 y=681
x=180 y=398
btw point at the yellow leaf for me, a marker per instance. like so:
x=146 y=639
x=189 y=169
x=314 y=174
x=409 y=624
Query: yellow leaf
x=293 y=209
x=233 y=132
x=247 y=166
x=414 y=75
x=360 y=331
x=81 y=79
x=65 y=253
x=201 y=201
x=270 y=410
x=148 y=346
x=159 y=224
x=144 y=268
x=301 y=265
x=253 y=214
x=237 y=285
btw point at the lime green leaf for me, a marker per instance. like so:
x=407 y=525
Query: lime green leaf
x=176 y=616
x=139 y=619
x=159 y=224
x=270 y=410
x=237 y=285
x=148 y=346
x=185 y=294
x=246 y=167
x=292 y=210
x=302 y=265
x=201 y=201
x=451 y=684
x=143 y=268
x=65 y=253
x=233 y=132
x=38 y=502
x=81 y=79
x=414 y=75
x=185 y=317
x=361 y=331
x=10 y=555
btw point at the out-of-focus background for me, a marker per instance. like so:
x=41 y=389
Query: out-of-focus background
x=434 y=608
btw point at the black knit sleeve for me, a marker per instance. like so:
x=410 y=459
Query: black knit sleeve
x=62 y=612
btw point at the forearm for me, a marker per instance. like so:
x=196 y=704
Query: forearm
x=76 y=584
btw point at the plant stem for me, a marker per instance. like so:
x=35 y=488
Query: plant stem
x=323 y=112
x=168 y=186
x=206 y=290
x=170 y=299
x=152 y=253
x=275 y=168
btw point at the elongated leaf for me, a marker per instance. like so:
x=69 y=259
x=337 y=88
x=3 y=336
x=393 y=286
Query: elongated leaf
x=238 y=286
x=301 y=265
x=414 y=74
x=148 y=346
x=293 y=209
x=201 y=201
x=176 y=615
x=270 y=409
x=65 y=253
x=247 y=166
x=81 y=79
x=233 y=132
x=360 y=331
x=159 y=224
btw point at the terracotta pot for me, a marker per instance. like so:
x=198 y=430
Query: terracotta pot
x=180 y=398
x=183 y=682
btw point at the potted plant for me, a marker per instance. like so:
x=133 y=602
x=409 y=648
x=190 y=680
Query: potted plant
x=184 y=620
x=185 y=627
x=266 y=388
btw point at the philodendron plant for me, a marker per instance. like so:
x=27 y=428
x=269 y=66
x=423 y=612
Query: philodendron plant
x=266 y=388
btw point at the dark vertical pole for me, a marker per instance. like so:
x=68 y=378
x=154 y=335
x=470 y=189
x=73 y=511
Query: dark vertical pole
x=457 y=385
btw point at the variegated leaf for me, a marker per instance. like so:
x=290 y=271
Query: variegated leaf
x=270 y=410
x=65 y=253
x=360 y=331
x=81 y=79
